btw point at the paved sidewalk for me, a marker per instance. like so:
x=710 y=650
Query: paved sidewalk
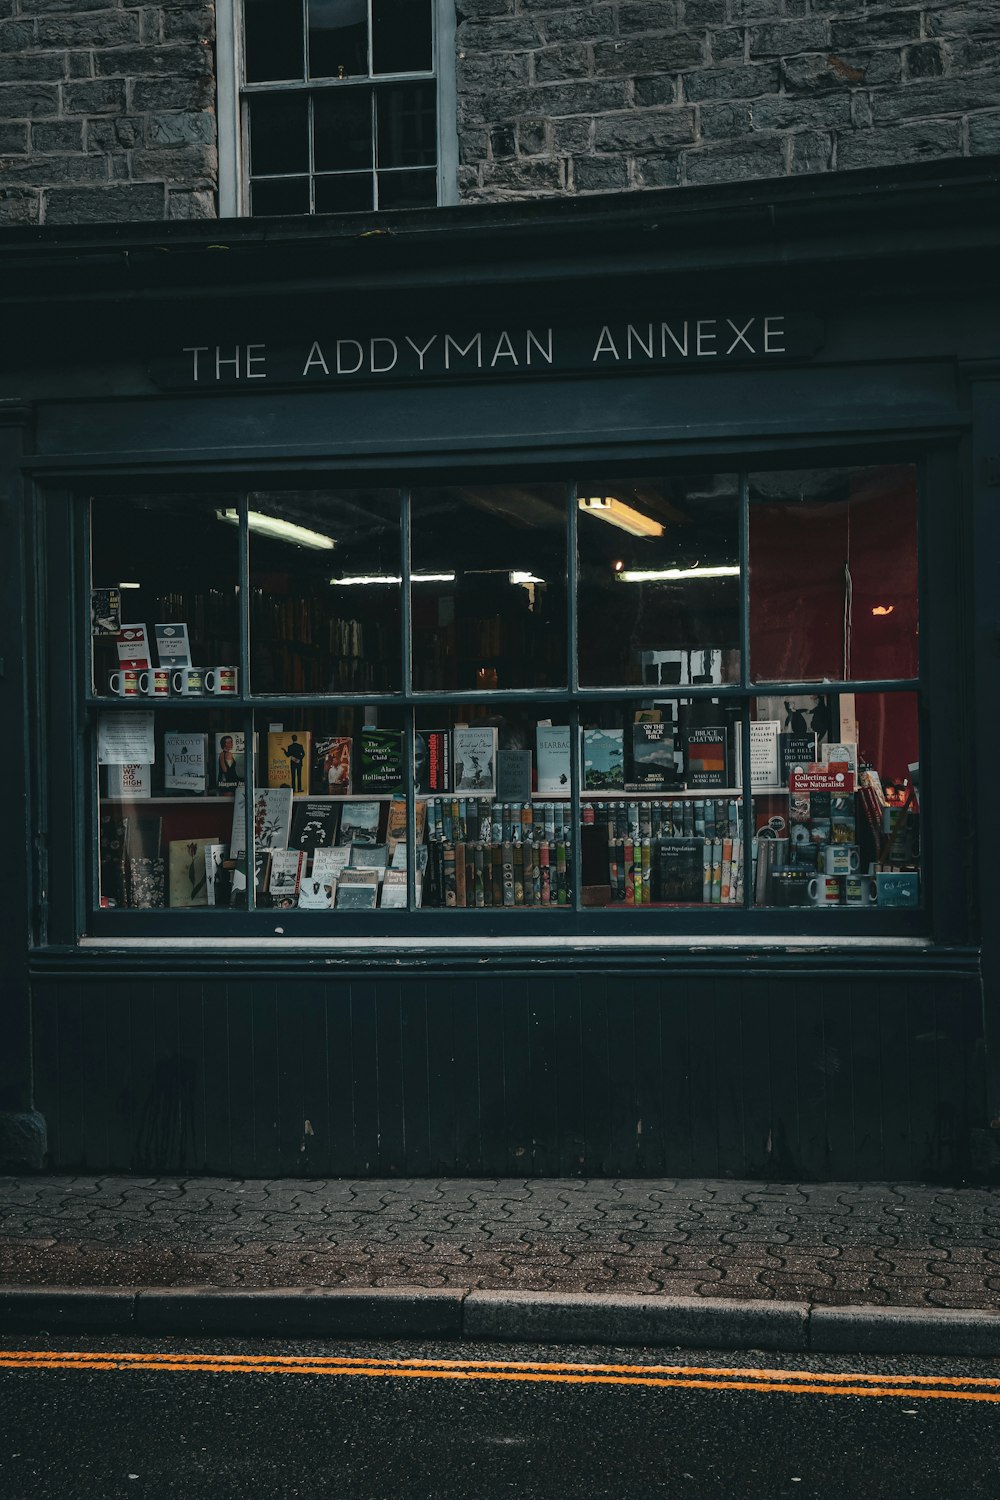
x=897 y=1245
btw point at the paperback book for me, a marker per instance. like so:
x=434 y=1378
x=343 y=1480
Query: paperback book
x=331 y=765
x=288 y=759
x=552 y=758
x=218 y=879
x=173 y=649
x=272 y=816
x=283 y=882
x=475 y=759
x=380 y=761
x=230 y=760
x=314 y=825
x=706 y=756
x=184 y=763
x=432 y=760
x=129 y=781
x=188 y=881
x=653 y=766
x=359 y=823
x=603 y=760
x=795 y=751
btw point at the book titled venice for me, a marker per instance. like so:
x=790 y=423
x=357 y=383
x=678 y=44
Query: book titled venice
x=184 y=763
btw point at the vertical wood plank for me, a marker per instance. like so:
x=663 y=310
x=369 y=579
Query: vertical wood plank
x=542 y=1048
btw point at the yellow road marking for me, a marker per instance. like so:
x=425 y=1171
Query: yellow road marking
x=689 y=1377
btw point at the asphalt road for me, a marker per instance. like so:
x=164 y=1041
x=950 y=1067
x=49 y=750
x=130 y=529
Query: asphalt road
x=223 y=1418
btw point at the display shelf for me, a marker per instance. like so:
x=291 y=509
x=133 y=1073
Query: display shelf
x=187 y=799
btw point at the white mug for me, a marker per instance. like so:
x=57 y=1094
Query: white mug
x=841 y=859
x=188 y=682
x=860 y=890
x=155 y=682
x=824 y=890
x=222 y=681
x=124 y=683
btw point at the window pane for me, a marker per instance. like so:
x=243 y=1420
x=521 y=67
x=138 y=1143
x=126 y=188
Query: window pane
x=165 y=820
x=840 y=825
x=488 y=585
x=401 y=36
x=342 y=124
x=325 y=592
x=833 y=574
x=662 y=808
x=407 y=189
x=330 y=810
x=659 y=586
x=498 y=829
x=273 y=31
x=407 y=125
x=279 y=135
x=338 y=38
x=280 y=195
x=344 y=193
x=147 y=576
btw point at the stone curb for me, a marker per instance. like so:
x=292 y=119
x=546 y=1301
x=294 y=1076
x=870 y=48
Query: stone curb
x=500 y=1317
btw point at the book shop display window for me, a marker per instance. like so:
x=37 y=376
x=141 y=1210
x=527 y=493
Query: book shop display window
x=521 y=696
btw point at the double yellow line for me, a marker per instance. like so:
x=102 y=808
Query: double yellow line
x=687 y=1377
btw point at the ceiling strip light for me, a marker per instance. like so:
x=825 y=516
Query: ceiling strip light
x=369 y=578
x=617 y=513
x=670 y=575
x=282 y=531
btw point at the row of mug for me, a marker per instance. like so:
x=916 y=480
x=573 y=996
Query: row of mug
x=179 y=682
x=799 y=888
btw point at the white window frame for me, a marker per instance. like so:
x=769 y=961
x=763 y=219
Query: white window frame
x=234 y=193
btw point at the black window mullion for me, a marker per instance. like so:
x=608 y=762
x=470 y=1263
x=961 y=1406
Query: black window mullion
x=574 y=855
x=406 y=679
x=572 y=575
x=249 y=753
x=747 y=818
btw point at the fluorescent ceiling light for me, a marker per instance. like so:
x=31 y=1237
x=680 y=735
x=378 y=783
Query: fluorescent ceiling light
x=516 y=577
x=282 y=531
x=669 y=575
x=617 y=513
x=366 y=578
x=139 y=586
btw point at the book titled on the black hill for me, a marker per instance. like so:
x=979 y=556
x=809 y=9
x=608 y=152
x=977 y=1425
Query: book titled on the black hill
x=653 y=765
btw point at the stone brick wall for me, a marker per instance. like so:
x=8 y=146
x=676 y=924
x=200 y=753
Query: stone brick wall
x=107 y=111
x=577 y=96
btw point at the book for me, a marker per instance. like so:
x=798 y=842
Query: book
x=132 y=646
x=146 y=879
x=331 y=765
x=653 y=767
x=706 y=755
x=603 y=760
x=173 y=649
x=396 y=827
x=794 y=750
x=229 y=764
x=356 y=897
x=840 y=753
x=217 y=877
x=314 y=825
x=513 y=776
x=283 y=881
x=188 y=883
x=272 y=817
x=184 y=763
x=394 y=891
x=475 y=759
x=105 y=612
x=359 y=823
x=552 y=758
x=316 y=892
x=288 y=757
x=432 y=760
x=681 y=869
x=380 y=760
x=329 y=864
x=765 y=767
x=129 y=781
x=368 y=857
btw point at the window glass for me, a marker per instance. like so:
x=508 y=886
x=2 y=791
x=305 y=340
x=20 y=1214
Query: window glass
x=833 y=574
x=659 y=585
x=488 y=587
x=343 y=130
x=325 y=592
x=407 y=125
x=279 y=135
x=338 y=38
x=407 y=189
x=273 y=40
x=280 y=195
x=401 y=36
x=836 y=782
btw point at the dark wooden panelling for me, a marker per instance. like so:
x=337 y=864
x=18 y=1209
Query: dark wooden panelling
x=597 y=1075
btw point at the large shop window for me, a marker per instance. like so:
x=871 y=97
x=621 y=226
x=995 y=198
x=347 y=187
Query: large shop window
x=678 y=697
x=339 y=105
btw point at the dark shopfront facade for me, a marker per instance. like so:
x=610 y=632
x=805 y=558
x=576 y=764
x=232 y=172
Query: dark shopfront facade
x=707 y=459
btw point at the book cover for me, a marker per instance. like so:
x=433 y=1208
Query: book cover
x=370 y=857
x=288 y=758
x=706 y=755
x=188 y=883
x=229 y=760
x=603 y=760
x=396 y=827
x=356 y=897
x=359 y=823
x=653 y=767
x=314 y=825
x=317 y=892
x=105 y=612
x=840 y=753
x=133 y=646
x=394 y=891
x=513 y=776
x=172 y=645
x=184 y=763
x=795 y=751
x=331 y=765
x=217 y=876
x=552 y=758
x=380 y=760
x=272 y=817
x=474 y=759
x=129 y=781
x=146 y=883
x=765 y=767
x=286 y=871
x=330 y=864
x=432 y=760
